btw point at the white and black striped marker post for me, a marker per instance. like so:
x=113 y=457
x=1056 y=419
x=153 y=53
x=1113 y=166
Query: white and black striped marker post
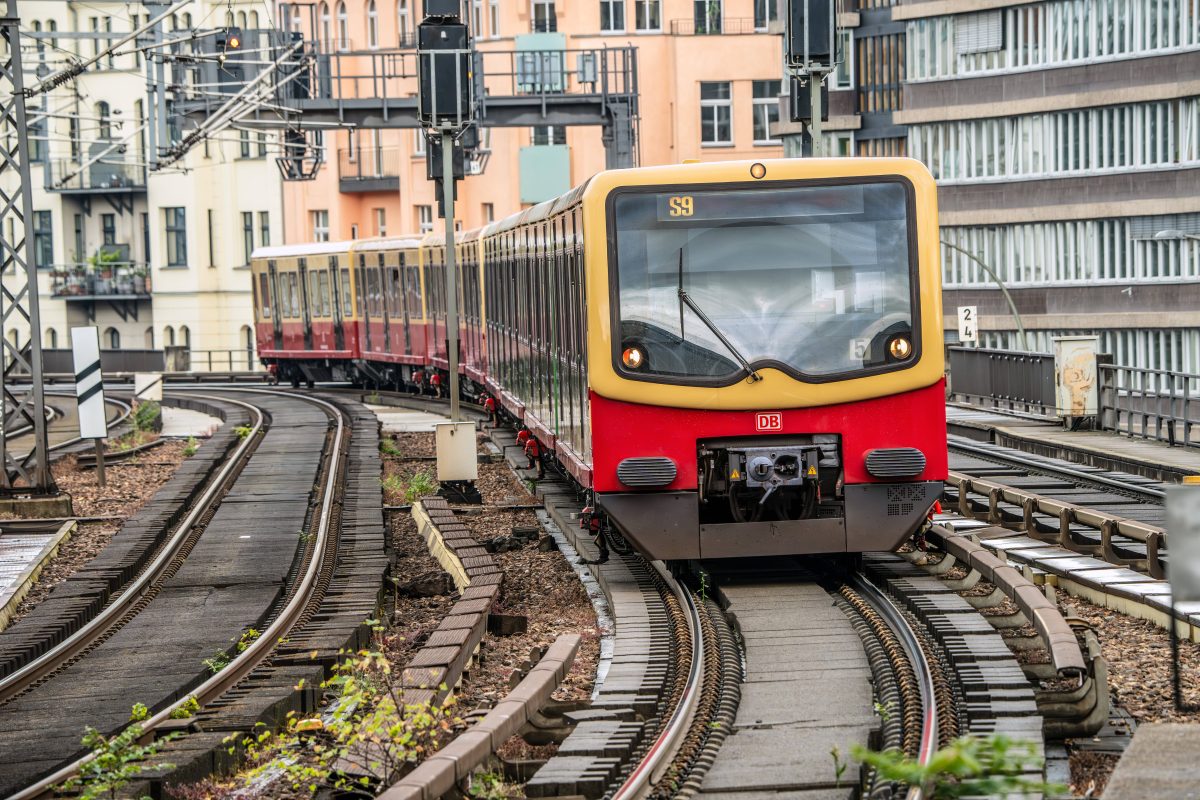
x=89 y=391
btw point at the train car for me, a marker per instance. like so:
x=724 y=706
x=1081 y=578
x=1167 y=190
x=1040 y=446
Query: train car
x=734 y=359
x=390 y=319
x=737 y=358
x=471 y=336
x=304 y=311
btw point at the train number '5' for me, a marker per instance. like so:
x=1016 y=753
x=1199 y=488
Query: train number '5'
x=682 y=206
x=768 y=421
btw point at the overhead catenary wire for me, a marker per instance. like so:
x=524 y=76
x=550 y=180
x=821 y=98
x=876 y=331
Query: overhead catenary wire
x=76 y=68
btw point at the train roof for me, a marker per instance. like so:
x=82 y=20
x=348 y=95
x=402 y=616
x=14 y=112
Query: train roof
x=404 y=242
x=305 y=249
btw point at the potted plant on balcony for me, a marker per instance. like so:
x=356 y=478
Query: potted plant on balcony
x=102 y=269
x=141 y=281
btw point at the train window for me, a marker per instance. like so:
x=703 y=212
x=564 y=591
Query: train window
x=817 y=280
x=323 y=293
x=264 y=294
x=314 y=296
x=373 y=292
x=293 y=294
x=347 y=300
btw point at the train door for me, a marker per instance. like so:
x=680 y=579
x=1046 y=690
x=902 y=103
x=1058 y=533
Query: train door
x=339 y=336
x=276 y=311
x=386 y=303
x=305 y=304
x=406 y=292
x=364 y=302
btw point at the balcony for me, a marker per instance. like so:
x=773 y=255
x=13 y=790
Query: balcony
x=118 y=280
x=103 y=177
x=369 y=169
x=713 y=25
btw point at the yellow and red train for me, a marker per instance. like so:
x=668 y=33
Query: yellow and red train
x=736 y=358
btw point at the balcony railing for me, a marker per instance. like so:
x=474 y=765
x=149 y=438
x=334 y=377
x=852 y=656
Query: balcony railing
x=714 y=26
x=102 y=176
x=368 y=163
x=369 y=169
x=113 y=280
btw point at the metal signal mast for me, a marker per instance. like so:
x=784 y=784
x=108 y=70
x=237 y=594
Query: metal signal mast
x=20 y=405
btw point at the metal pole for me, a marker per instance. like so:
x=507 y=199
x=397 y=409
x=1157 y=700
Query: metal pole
x=992 y=274
x=814 y=127
x=19 y=295
x=451 y=270
x=100 y=481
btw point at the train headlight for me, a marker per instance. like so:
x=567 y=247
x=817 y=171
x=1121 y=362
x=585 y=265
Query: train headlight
x=633 y=357
x=900 y=348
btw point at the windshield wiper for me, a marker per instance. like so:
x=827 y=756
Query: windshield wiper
x=684 y=297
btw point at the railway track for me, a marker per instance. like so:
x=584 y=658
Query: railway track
x=246 y=568
x=1114 y=516
x=62 y=423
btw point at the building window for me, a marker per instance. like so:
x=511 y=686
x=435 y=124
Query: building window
x=52 y=338
x=262 y=145
x=766 y=110
x=381 y=222
x=403 y=23
x=1095 y=140
x=548 y=134
x=43 y=240
x=647 y=15
x=145 y=238
x=716 y=113
x=424 y=218
x=244 y=144
x=477 y=18
x=77 y=256
x=545 y=18
x=765 y=12
x=707 y=16
x=175 y=224
x=113 y=337
x=108 y=227
x=247 y=234
x=354 y=230
x=104 y=120
x=612 y=15
x=372 y=25
x=840 y=143
x=419 y=143
x=494 y=18
x=186 y=336
x=264 y=228
x=73 y=134
x=489 y=212
x=326 y=27
x=212 y=239
x=320 y=225
x=343 y=28
x=843 y=72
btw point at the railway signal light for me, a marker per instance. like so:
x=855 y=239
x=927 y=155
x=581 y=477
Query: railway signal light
x=229 y=42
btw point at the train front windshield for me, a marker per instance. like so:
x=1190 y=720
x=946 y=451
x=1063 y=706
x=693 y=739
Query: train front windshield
x=816 y=280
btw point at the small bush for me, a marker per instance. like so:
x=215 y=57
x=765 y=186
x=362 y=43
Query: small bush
x=421 y=484
x=139 y=713
x=190 y=447
x=147 y=416
x=388 y=447
x=989 y=766
x=242 y=431
x=115 y=762
x=189 y=709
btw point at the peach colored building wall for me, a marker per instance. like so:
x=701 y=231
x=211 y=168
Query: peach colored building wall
x=671 y=66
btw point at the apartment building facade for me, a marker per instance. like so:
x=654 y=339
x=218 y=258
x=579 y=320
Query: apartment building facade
x=152 y=258
x=709 y=76
x=1065 y=138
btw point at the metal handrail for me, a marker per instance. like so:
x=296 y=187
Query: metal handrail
x=1149 y=403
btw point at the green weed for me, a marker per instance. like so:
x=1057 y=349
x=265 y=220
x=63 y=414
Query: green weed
x=190 y=447
x=115 y=762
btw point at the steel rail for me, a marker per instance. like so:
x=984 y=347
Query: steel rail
x=50 y=661
x=659 y=755
x=966 y=446
x=244 y=663
x=896 y=620
x=51 y=413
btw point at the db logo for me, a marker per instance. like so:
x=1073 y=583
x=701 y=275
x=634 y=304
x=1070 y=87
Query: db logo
x=768 y=421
